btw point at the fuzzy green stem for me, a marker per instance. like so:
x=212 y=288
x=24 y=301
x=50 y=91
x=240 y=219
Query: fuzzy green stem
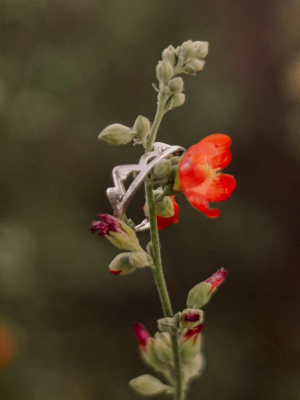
x=157 y=270
x=162 y=288
x=157 y=120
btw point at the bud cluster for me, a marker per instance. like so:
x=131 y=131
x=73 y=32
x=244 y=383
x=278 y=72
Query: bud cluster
x=123 y=237
x=156 y=351
x=187 y=59
x=186 y=325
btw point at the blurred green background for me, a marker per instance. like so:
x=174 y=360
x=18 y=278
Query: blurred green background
x=68 y=69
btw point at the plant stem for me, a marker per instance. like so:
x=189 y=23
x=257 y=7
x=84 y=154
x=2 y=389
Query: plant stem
x=157 y=270
x=157 y=120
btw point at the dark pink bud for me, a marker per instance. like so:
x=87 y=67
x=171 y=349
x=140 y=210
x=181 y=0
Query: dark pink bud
x=217 y=278
x=193 y=333
x=141 y=334
x=193 y=316
x=107 y=224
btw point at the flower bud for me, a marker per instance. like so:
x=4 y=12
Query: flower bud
x=147 y=343
x=161 y=169
x=148 y=385
x=164 y=71
x=142 y=127
x=190 y=344
x=190 y=318
x=117 y=134
x=201 y=293
x=193 y=369
x=177 y=100
x=169 y=55
x=165 y=208
x=175 y=160
x=126 y=240
x=121 y=265
x=142 y=335
x=187 y=50
x=162 y=347
x=116 y=231
x=139 y=259
x=201 y=49
x=176 y=85
x=193 y=66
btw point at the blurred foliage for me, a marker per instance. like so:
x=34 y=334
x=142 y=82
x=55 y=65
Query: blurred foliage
x=67 y=70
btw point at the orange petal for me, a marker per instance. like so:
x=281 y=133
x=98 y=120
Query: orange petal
x=189 y=175
x=220 y=188
x=212 y=150
x=200 y=202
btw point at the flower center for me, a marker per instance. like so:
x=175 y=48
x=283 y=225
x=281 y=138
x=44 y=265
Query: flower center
x=210 y=172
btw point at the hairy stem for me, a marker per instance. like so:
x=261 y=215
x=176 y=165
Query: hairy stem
x=157 y=120
x=157 y=270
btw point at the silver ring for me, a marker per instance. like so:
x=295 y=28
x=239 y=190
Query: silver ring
x=119 y=197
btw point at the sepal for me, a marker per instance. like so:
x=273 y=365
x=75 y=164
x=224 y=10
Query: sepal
x=199 y=295
x=193 y=369
x=170 y=325
x=125 y=240
x=140 y=259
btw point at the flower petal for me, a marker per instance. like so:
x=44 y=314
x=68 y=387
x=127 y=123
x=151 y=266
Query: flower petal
x=212 y=150
x=220 y=189
x=189 y=175
x=200 y=202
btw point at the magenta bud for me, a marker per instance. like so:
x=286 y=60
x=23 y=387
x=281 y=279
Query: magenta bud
x=142 y=335
x=217 y=278
x=190 y=318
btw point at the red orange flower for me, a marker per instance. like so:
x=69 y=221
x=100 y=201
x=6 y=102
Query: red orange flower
x=199 y=173
x=163 y=222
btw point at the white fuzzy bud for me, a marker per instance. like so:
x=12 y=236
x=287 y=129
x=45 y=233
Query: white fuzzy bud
x=164 y=72
x=193 y=66
x=178 y=99
x=176 y=85
x=161 y=169
x=117 y=134
x=120 y=265
x=187 y=50
x=201 y=49
x=142 y=127
x=148 y=385
x=169 y=55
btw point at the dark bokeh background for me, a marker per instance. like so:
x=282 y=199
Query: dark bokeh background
x=68 y=69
